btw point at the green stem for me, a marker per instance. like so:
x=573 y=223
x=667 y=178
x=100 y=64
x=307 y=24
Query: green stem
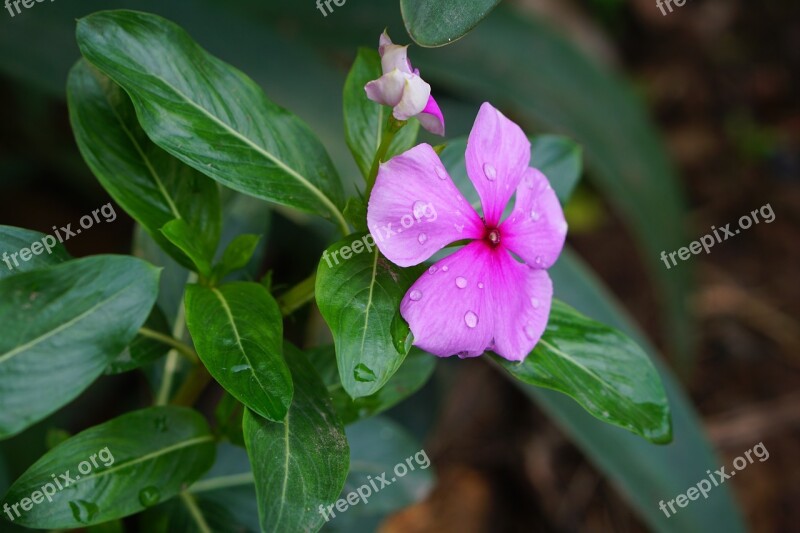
x=224 y=482
x=182 y=348
x=173 y=358
x=194 y=510
x=394 y=127
x=194 y=385
x=298 y=296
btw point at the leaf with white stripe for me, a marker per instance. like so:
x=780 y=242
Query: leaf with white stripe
x=116 y=469
x=301 y=463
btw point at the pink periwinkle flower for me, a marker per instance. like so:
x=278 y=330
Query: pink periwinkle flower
x=481 y=297
x=402 y=88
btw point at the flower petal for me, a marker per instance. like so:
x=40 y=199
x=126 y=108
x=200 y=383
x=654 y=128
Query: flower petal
x=448 y=309
x=388 y=89
x=415 y=97
x=497 y=155
x=415 y=210
x=536 y=229
x=431 y=118
x=521 y=298
x=383 y=42
x=394 y=56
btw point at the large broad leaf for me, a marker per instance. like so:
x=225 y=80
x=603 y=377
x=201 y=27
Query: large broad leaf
x=601 y=368
x=358 y=293
x=151 y=185
x=366 y=122
x=115 y=469
x=440 y=22
x=237 y=330
x=13 y=240
x=210 y=115
x=62 y=326
x=302 y=463
x=380 y=451
x=409 y=378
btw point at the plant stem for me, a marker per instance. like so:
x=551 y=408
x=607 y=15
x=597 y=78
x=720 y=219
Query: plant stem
x=191 y=389
x=171 y=365
x=183 y=349
x=298 y=296
x=224 y=482
x=394 y=126
x=194 y=510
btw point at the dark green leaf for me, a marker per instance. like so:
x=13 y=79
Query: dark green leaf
x=229 y=413
x=62 y=326
x=151 y=185
x=183 y=236
x=12 y=240
x=237 y=255
x=238 y=330
x=302 y=463
x=366 y=122
x=182 y=97
x=143 y=349
x=359 y=296
x=116 y=469
x=602 y=369
x=440 y=22
x=409 y=378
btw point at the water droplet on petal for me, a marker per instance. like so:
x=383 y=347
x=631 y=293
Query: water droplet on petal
x=445 y=268
x=538 y=260
x=149 y=496
x=463 y=355
x=471 y=319
x=489 y=171
x=441 y=172
x=433 y=269
x=535 y=215
x=83 y=511
x=415 y=295
x=530 y=332
x=535 y=303
x=419 y=209
x=461 y=282
x=459 y=227
x=422 y=238
x=480 y=284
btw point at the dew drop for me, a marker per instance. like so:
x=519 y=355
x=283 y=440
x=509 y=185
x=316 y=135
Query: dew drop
x=489 y=171
x=363 y=373
x=422 y=238
x=535 y=303
x=441 y=173
x=461 y=282
x=432 y=269
x=161 y=424
x=149 y=496
x=471 y=319
x=462 y=355
x=480 y=284
x=606 y=414
x=459 y=227
x=415 y=295
x=538 y=260
x=530 y=332
x=535 y=215
x=419 y=209
x=240 y=368
x=83 y=511
x=445 y=268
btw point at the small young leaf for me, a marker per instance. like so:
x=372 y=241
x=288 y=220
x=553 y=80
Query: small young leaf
x=115 y=469
x=143 y=350
x=409 y=378
x=238 y=333
x=12 y=240
x=302 y=463
x=62 y=326
x=365 y=122
x=182 y=235
x=150 y=185
x=210 y=115
x=237 y=255
x=602 y=369
x=358 y=293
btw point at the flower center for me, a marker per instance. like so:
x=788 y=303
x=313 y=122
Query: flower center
x=492 y=236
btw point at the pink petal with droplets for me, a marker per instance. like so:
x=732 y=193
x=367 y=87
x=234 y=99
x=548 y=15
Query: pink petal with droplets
x=415 y=210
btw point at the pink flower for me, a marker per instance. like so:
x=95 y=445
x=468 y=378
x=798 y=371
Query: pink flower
x=402 y=88
x=481 y=297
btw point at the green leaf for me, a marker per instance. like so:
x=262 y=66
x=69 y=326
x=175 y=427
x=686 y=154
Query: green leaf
x=182 y=97
x=440 y=22
x=237 y=255
x=112 y=471
x=366 y=122
x=12 y=240
x=359 y=296
x=143 y=350
x=228 y=414
x=238 y=332
x=186 y=239
x=150 y=185
x=301 y=463
x=602 y=369
x=62 y=326
x=559 y=158
x=409 y=378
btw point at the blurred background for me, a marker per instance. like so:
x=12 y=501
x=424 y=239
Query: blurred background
x=687 y=120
